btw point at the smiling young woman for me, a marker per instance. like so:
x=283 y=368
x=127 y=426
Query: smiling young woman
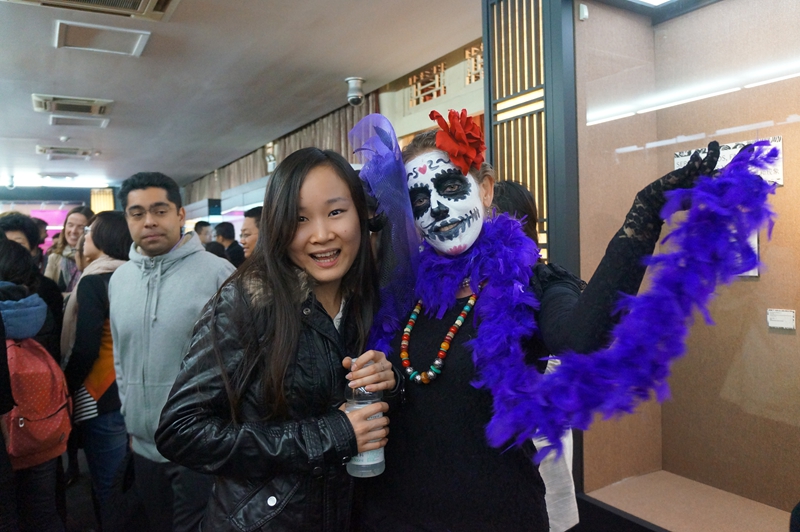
x=258 y=401
x=61 y=266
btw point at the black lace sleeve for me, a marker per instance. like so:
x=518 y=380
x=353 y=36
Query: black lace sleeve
x=581 y=321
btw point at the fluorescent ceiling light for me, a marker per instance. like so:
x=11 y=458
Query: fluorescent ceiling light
x=628 y=149
x=58 y=175
x=690 y=138
x=653 y=3
x=659 y=143
x=773 y=80
x=34 y=180
x=243 y=208
x=687 y=100
x=609 y=119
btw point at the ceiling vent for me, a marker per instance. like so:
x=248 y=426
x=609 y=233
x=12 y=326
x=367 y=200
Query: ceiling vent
x=45 y=103
x=81 y=121
x=146 y=9
x=95 y=38
x=60 y=153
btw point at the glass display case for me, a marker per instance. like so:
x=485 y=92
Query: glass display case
x=722 y=453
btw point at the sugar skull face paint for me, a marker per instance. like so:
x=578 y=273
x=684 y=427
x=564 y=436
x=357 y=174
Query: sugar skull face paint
x=447 y=205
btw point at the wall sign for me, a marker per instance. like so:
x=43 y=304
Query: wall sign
x=728 y=151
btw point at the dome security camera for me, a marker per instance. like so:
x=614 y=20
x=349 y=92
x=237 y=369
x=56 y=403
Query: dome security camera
x=355 y=92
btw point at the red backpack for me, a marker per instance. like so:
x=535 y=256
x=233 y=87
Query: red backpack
x=38 y=427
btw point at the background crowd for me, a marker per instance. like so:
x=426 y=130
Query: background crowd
x=111 y=306
x=56 y=327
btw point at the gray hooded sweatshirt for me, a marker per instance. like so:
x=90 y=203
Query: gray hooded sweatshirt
x=154 y=304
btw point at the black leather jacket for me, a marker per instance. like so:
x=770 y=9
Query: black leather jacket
x=276 y=475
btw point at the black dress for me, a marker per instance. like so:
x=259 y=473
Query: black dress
x=441 y=475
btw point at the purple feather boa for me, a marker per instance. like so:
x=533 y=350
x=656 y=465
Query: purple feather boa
x=502 y=253
x=710 y=247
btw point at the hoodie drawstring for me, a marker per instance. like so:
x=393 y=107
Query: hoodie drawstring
x=158 y=285
x=143 y=269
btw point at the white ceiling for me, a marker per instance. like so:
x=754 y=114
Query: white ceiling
x=216 y=81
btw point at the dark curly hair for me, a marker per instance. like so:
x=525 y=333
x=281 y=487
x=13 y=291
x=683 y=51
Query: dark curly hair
x=16 y=265
x=16 y=221
x=144 y=180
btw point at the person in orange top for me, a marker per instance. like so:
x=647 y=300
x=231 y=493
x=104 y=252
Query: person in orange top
x=88 y=352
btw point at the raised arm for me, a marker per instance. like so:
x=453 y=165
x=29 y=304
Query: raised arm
x=581 y=321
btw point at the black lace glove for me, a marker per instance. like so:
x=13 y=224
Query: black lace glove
x=622 y=269
x=643 y=221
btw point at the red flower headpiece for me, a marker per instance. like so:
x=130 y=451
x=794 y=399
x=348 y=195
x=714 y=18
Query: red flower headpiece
x=462 y=139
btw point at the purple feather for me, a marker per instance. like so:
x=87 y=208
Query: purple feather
x=711 y=247
x=374 y=140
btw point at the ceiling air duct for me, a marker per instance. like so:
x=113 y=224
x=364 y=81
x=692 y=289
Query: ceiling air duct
x=46 y=103
x=146 y=9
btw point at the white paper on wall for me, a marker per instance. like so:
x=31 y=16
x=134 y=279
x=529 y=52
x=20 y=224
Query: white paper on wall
x=728 y=151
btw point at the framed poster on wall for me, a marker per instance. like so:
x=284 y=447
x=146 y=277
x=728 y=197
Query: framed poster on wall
x=728 y=151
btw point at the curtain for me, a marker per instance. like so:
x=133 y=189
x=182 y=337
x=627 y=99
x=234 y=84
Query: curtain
x=249 y=168
x=327 y=133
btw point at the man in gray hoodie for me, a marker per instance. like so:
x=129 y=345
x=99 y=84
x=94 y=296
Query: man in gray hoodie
x=155 y=300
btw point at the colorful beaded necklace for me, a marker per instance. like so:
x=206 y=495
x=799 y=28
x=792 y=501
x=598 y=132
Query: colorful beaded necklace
x=425 y=377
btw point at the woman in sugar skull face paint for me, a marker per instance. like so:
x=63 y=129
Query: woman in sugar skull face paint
x=441 y=473
x=449 y=207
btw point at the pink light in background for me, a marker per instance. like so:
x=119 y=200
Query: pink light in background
x=52 y=217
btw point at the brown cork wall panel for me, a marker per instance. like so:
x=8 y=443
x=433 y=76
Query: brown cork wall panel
x=734 y=419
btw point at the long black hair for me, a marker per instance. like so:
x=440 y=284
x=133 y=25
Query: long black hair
x=267 y=317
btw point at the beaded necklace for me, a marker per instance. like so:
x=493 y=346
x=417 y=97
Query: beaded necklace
x=425 y=377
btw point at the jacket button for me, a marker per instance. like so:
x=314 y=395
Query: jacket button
x=306 y=311
x=317 y=471
x=345 y=459
x=272 y=501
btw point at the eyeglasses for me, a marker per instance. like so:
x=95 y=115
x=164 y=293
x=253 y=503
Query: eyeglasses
x=156 y=211
x=87 y=229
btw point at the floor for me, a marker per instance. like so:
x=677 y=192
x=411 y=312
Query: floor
x=682 y=505
x=80 y=511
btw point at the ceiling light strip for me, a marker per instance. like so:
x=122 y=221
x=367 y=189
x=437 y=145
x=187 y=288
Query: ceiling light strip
x=748 y=127
x=609 y=119
x=687 y=100
x=773 y=80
